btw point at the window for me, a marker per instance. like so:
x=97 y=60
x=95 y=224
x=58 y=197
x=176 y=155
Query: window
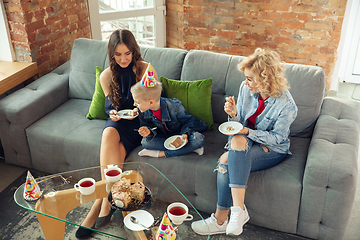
x=349 y=48
x=145 y=18
x=7 y=52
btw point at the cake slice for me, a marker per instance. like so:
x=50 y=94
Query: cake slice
x=137 y=191
x=177 y=142
x=132 y=113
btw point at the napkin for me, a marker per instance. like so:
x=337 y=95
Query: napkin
x=166 y=230
x=32 y=189
x=148 y=80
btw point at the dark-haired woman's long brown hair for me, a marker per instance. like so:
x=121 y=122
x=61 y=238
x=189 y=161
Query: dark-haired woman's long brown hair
x=126 y=37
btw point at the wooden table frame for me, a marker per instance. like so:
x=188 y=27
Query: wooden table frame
x=54 y=228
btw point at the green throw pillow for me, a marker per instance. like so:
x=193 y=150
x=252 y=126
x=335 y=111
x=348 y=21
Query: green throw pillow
x=194 y=95
x=97 y=106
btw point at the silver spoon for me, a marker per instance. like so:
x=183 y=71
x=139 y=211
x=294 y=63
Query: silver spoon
x=133 y=220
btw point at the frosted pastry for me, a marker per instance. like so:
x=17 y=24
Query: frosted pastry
x=125 y=194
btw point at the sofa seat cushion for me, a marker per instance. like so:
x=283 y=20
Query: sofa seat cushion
x=192 y=174
x=272 y=197
x=66 y=137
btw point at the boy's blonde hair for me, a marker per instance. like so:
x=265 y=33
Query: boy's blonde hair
x=147 y=93
x=268 y=68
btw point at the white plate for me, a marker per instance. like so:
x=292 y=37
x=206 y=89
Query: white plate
x=235 y=125
x=143 y=217
x=125 y=114
x=170 y=140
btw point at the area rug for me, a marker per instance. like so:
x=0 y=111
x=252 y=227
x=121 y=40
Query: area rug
x=16 y=222
x=19 y=223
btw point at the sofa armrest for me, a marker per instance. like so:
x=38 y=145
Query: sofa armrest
x=25 y=106
x=330 y=175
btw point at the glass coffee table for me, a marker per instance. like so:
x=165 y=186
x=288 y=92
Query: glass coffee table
x=60 y=202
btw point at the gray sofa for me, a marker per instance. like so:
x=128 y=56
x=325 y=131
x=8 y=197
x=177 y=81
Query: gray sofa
x=43 y=126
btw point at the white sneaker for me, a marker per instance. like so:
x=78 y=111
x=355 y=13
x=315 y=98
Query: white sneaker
x=238 y=218
x=209 y=226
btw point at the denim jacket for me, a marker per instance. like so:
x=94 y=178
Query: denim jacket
x=175 y=118
x=272 y=126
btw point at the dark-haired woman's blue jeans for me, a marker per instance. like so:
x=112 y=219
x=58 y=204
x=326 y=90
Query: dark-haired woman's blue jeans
x=240 y=163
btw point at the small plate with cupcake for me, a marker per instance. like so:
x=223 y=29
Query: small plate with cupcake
x=174 y=142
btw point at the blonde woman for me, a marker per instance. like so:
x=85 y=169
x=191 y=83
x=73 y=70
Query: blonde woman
x=266 y=109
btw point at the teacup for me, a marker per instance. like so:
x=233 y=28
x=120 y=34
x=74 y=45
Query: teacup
x=112 y=173
x=178 y=212
x=86 y=186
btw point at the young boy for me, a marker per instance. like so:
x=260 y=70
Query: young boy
x=161 y=118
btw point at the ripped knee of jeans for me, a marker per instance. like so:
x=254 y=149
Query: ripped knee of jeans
x=221 y=168
x=229 y=147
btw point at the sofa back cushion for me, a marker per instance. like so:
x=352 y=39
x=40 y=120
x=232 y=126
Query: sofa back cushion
x=306 y=82
x=307 y=87
x=86 y=54
x=167 y=62
x=222 y=69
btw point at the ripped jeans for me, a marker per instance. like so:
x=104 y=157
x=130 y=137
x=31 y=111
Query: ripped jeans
x=240 y=163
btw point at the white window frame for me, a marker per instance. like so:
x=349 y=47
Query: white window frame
x=348 y=45
x=159 y=11
x=6 y=48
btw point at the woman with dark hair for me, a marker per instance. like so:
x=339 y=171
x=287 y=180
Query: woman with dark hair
x=126 y=67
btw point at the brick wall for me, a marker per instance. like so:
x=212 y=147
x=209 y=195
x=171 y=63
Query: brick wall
x=302 y=31
x=43 y=31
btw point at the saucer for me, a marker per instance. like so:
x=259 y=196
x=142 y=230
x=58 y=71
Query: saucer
x=144 y=217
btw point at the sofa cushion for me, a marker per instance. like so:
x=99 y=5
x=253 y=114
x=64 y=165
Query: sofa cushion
x=194 y=95
x=64 y=139
x=97 y=106
x=283 y=183
x=222 y=69
x=86 y=54
x=168 y=62
x=308 y=104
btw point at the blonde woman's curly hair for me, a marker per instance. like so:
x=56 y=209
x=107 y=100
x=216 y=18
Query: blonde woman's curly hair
x=268 y=68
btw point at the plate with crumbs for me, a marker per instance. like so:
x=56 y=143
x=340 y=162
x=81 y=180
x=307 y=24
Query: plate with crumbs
x=230 y=128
